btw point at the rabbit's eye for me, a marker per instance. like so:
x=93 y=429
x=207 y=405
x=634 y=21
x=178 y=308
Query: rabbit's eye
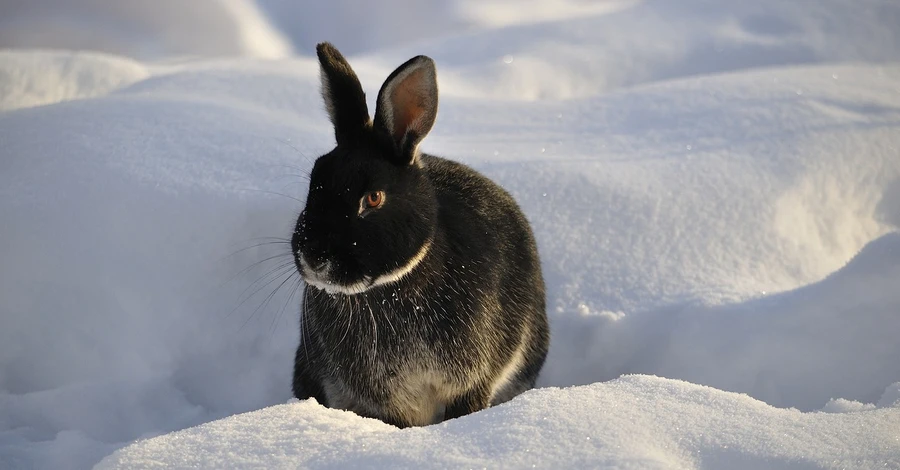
x=374 y=199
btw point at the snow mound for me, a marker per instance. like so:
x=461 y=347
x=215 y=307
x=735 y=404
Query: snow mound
x=632 y=422
x=140 y=29
x=28 y=79
x=597 y=47
x=800 y=348
x=643 y=181
x=136 y=279
x=720 y=205
x=557 y=49
x=891 y=396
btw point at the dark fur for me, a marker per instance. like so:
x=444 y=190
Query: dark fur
x=433 y=344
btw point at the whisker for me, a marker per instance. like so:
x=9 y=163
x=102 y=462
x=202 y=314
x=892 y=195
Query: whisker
x=257 y=245
x=388 y=319
x=304 y=324
x=341 y=315
x=268 y=238
x=299 y=152
x=349 y=324
x=264 y=191
x=268 y=299
x=288 y=185
x=257 y=263
x=302 y=176
x=301 y=172
x=375 y=330
x=284 y=269
x=277 y=319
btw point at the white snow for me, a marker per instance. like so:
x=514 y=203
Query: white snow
x=631 y=422
x=143 y=29
x=714 y=186
x=28 y=80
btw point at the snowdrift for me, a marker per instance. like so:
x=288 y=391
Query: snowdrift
x=716 y=205
x=156 y=30
x=632 y=422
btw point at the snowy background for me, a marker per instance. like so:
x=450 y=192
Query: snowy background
x=714 y=186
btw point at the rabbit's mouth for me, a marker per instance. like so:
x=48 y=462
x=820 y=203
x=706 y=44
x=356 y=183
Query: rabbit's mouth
x=322 y=278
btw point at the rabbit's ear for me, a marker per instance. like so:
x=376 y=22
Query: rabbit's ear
x=343 y=95
x=407 y=105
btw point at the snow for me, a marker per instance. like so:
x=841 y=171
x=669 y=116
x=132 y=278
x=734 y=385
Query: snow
x=714 y=186
x=631 y=422
x=28 y=80
x=161 y=29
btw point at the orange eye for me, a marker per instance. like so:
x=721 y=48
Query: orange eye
x=374 y=199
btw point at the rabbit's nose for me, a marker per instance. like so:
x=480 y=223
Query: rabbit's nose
x=315 y=259
x=315 y=266
x=319 y=265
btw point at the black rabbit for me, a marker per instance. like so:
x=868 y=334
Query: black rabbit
x=424 y=297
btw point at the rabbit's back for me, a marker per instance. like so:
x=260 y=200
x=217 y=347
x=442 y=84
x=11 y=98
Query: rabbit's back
x=491 y=251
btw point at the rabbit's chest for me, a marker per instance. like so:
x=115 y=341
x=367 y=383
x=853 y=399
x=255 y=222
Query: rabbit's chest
x=395 y=356
x=420 y=395
x=412 y=383
x=417 y=392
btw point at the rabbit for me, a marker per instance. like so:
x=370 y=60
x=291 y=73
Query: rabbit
x=424 y=299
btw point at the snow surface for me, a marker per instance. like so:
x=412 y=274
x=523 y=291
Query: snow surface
x=144 y=29
x=714 y=186
x=631 y=422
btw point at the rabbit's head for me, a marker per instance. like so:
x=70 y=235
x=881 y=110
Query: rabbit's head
x=370 y=213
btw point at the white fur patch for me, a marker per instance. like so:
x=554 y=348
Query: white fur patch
x=398 y=273
x=319 y=279
x=509 y=371
x=326 y=95
x=419 y=397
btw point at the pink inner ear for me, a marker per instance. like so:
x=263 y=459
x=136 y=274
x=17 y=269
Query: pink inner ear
x=408 y=103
